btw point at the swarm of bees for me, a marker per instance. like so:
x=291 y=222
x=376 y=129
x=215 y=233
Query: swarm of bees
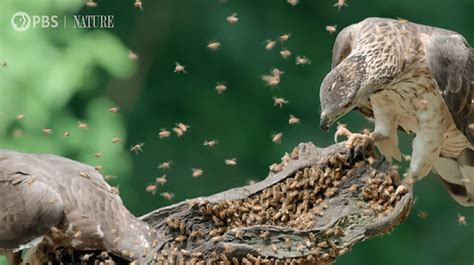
x=298 y=201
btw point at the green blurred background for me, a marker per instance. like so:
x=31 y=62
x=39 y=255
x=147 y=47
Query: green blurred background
x=57 y=77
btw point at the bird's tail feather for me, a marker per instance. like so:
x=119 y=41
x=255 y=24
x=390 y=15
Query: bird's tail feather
x=457 y=175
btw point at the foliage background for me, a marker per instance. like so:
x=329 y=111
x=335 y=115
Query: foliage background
x=58 y=77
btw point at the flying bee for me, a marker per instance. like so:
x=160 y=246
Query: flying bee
x=84 y=175
x=179 y=68
x=340 y=4
x=167 y=195
x=231 y=162
x=116 y=140
x=462 y=220
x=165 y=165
x=422 y=215
x=210 y=143
x=331 y=28
x=132 y=56
x=284 y=37
x=82 y=125
x=113 y=110
x=293 y=2
x=182 y=126
x=269 y=44
x=151 y=188
x=276 y=138
x=138 y=4
x=221 y=88
x=91 y=4
x=164 y=133
x=161 y=180
x=285 y=53
x=197 y=172
x=273 y=79
x=279 y=101
x=302 y=60
x=47 y=131
x=178 y=131
x=214 y=45
x=232 y=19
x=137 y=148
x=293 y=120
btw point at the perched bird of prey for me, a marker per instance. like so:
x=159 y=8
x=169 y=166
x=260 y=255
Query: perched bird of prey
x=415 y=78
x=48 y=202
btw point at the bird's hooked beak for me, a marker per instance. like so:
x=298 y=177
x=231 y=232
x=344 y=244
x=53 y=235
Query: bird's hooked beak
x=328 y=118
x=325 y=122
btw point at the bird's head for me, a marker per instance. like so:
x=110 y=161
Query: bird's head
x=341 y=90
x=352 y=81
x=365 y=60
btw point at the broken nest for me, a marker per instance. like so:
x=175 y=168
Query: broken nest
x=313 y=207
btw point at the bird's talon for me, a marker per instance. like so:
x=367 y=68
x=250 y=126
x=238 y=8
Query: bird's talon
x=342 y=131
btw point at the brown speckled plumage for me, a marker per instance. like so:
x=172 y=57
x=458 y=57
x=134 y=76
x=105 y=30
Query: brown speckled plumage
x=63 y=203
x=411 y=77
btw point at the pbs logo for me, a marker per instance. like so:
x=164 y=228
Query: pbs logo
x=21 y=21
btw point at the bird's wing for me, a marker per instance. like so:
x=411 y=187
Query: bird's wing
x=451 y=62
x=343 y=45
x=94 y=215
x=28 y=209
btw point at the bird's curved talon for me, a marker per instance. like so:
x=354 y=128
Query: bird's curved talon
x=342 y=131
x=359 y=143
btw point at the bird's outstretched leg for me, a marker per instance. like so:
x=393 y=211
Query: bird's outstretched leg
x=385 y=132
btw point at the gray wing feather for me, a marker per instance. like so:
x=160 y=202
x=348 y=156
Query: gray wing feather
x=28 y=208
x=451 y=62
x=93 y=216
x=342 y=46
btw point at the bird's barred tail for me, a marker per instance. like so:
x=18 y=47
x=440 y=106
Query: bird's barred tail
x=457 y=175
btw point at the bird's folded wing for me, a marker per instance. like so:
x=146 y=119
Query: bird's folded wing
x=28 y=208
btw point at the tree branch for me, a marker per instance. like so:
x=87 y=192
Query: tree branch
x=315 y=207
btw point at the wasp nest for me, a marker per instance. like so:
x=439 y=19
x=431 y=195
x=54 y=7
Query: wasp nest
x=312 y=208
